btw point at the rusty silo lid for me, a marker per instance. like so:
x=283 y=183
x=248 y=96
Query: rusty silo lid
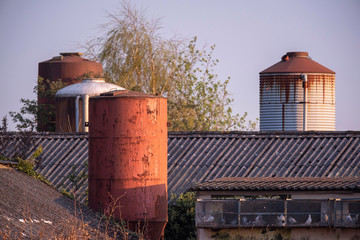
x=297 y=62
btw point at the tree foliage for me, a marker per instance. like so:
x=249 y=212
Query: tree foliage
x=133 y=53
x=32 y=112
x=181 y=223
x=136 y=57
x=199 y=100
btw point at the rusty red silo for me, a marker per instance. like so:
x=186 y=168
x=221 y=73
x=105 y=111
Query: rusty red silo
x=128 y=159
x=297 y=94
x=69 y=67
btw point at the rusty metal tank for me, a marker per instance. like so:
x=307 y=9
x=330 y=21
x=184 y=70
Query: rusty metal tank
x=297 y=94
x=72 y=103
x=70 y=67
x=128 y=159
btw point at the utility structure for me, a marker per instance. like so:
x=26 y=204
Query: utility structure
x=297 y=94
x=128 y=159
x=72 y=103
x=70 y=68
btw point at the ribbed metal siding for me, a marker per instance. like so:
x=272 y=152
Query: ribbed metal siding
x=282 y=102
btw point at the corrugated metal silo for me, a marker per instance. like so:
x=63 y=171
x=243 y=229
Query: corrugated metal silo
x=297 y=94
x=69 y=67
x=72 y=103
x=128 y=158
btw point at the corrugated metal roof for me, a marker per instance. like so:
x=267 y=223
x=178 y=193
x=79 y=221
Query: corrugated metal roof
x=279 y=184
x=194 y=157
x=63 y=156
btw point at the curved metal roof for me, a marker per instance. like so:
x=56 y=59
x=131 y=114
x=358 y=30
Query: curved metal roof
x=90 y=86
x=297 y=62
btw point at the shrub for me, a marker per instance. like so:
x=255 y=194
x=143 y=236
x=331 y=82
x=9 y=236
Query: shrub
x=181 y=223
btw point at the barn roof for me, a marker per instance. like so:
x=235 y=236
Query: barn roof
x=194 y=157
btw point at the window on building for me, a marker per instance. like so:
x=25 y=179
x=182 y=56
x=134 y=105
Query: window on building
x=262 y=212
x=347 y=213
x=217 y=213
x=302 y=213
x=277 y=212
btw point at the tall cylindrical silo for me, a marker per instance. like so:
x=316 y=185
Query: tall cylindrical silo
x=297 y=94
x=72 y=103
x=128 y=159
x=71 y=68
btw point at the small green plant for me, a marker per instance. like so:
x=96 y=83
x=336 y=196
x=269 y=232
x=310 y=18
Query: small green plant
x=66 y=193
x=28 y=167
x=76 y=179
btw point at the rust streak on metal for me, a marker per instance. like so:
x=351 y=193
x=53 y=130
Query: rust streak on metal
x=282 y=95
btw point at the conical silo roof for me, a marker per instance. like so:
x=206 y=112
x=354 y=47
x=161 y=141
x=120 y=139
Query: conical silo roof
x=297 y=62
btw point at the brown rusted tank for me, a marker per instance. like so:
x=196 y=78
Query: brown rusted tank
x=297 y=94
x=69 y=67
x=128 y=159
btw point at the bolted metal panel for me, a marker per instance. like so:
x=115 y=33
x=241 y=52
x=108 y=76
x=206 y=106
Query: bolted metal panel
x=285 y=97
x=69 y=67
x=128 y=158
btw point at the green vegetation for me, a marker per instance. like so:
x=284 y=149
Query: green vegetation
x=33 y=115
x=27 y=166
x=181 y=214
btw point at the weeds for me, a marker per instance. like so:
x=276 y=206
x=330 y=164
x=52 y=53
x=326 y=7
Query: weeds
x=28 y=167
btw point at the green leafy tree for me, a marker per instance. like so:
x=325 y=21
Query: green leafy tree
x=136 y=57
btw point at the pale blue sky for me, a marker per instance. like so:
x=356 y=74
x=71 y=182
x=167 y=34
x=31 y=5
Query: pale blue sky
x=249 y=36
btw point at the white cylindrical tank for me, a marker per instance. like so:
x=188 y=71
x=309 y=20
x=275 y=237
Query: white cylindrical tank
x=72 y=103
x=297 y=94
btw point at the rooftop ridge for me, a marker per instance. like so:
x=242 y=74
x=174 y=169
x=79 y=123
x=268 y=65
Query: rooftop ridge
x=219 y=134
